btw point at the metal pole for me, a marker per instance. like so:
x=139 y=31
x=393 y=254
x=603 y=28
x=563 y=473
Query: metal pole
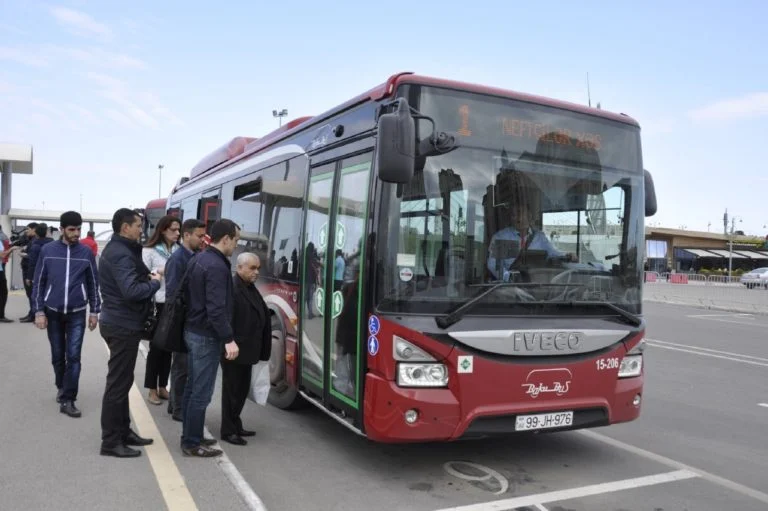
x=5 y=184
x=160 y=181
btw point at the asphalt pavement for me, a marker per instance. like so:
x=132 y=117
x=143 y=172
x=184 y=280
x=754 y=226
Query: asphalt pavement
x=699 y=443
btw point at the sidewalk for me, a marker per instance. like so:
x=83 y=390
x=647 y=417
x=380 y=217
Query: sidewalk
x=51 y=461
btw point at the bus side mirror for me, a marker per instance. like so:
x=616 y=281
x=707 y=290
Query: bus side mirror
x=396 y=132
x=650 y=195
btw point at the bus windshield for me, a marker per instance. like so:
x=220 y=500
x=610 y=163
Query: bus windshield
x=547 y=198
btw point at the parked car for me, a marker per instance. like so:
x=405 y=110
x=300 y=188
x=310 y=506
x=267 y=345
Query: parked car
x=756 y=278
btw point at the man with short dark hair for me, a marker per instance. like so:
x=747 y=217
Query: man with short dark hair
x=192 y=232
x=127 y=288
x=65 y=283
x=208 y=326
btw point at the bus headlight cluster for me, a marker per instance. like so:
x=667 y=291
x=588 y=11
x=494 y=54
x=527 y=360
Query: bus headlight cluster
x=631 y=366
x=422 y=375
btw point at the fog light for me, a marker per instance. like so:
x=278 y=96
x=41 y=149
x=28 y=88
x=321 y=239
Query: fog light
x=411 y=416
x=636 y=401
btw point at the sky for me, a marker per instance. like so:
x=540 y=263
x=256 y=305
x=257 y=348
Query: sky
x=106 y=91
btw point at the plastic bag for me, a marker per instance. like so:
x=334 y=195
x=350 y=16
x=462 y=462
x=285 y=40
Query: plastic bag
x=260 y=383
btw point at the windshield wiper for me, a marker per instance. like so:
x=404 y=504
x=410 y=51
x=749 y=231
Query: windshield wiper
x=459 y=312
x=630 y=318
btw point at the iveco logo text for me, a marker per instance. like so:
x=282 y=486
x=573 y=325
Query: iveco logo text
x=547 y=341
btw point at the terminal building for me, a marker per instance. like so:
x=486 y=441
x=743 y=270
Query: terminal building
x=685 y=251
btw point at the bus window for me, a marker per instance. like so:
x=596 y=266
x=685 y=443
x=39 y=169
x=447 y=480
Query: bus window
x=283 y=196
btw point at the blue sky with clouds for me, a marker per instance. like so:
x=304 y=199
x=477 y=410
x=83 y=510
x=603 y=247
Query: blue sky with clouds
x=105 y=90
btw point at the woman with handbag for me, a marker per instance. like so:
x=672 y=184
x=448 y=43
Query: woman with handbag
x=155 y=254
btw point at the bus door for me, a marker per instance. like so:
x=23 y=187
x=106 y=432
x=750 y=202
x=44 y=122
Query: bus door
x=332 y=308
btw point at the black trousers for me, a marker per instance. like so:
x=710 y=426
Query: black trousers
x=178 y=382
x=158 y=363
x=235 y=384
x=3 y=293
x=28 y=291
x=115 y=413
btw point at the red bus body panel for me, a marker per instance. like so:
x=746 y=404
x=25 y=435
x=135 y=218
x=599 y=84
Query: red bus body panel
x=493 y=389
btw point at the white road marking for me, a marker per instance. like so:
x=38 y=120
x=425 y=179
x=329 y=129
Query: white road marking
x=719 y=352
x=708 y=355
x=250 y=498
x=540 y=507
x=726 y=483
x=577 y=493
x=718 y=317
x=764 y=405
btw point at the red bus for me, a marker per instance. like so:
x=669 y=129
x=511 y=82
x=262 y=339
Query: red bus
x=444 y=260
x=155 y=210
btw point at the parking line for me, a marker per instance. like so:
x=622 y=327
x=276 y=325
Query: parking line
x=719 y=352
x=726 y=483
x=577 y=493
x=764 y=405
x=540 y=507
x=249 y=497
x=172 y=486
x=169 y=479
x=703 y=354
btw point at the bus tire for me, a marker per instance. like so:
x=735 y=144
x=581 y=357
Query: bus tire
x=282 y=395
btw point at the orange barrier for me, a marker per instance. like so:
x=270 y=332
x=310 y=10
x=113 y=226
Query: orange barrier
x=678 y=278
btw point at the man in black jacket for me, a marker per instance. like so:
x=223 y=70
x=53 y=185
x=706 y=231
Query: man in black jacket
x=208 y=327
x=253 y=334
x=127 y=287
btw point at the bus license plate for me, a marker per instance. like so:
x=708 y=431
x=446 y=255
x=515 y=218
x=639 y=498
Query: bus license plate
x=543 y=421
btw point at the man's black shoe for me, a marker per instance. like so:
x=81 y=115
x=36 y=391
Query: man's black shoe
x=121 y=451
x=201 y=452
x=27 y=319
x=235 y=439
x=208 y=442
x=133 y=439
x=6 y=320
x=246 y=432
x=69 y=408
x=177 y=417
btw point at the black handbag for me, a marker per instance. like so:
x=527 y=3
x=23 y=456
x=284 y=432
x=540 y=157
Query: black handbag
x=168 y=334
x=150 y=324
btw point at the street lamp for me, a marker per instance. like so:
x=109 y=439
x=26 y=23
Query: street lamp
x=282 y=113
x=160 y=181
x=730 y=245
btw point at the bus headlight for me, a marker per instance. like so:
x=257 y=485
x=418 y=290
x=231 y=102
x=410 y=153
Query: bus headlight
x=631 y=366
x=422 y=375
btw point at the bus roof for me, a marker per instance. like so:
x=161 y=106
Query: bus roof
x=240 y=147
x=157 y=203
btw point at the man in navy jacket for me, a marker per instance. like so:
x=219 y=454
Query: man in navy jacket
x=65 y=283
x=192 y=232
x=127 y=288
x=207 y=331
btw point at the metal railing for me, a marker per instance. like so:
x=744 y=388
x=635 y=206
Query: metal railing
x=712 y=291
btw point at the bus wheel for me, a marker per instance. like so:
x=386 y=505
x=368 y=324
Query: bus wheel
x=282 y=395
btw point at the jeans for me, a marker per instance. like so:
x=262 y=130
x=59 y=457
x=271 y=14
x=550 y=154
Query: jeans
x=115 y=412
x=178 y=382
x=65 y=334
x=202 y=364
